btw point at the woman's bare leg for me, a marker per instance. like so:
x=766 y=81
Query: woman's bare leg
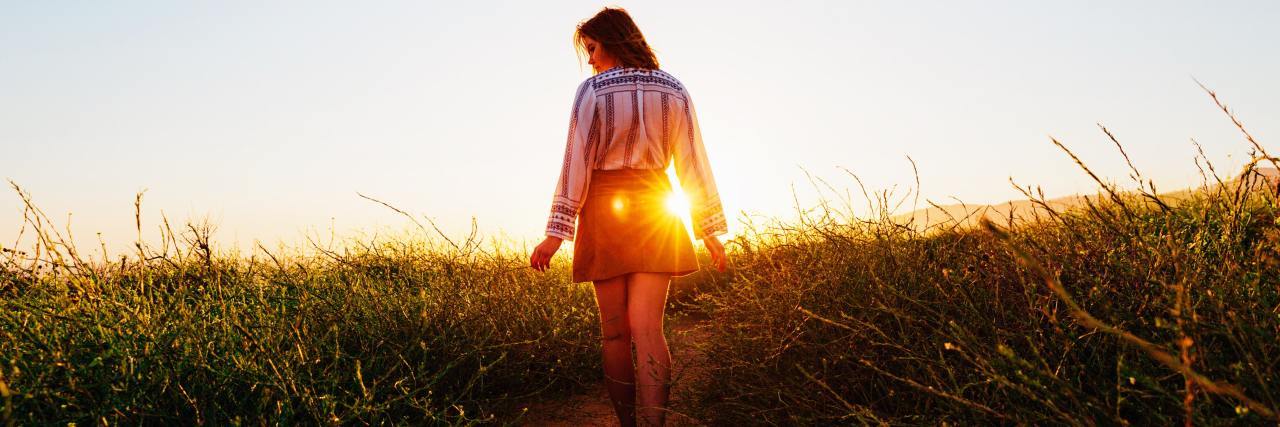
x=646 y=300
x=615 y=328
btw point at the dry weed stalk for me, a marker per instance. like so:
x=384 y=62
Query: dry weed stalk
x=1156 y=352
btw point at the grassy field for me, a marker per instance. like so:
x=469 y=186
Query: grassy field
x=400 y=331
x=1130 y=308
x=1113 y=313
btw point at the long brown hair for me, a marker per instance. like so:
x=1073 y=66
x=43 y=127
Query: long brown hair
x=618 y=35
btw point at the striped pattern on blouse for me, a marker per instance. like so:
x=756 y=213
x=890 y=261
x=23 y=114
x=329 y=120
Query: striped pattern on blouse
x=640 y=119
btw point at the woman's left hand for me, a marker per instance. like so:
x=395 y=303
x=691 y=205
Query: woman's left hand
x=717 y=251
x=541 y=257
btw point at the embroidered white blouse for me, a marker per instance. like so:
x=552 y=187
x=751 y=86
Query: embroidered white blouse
x=640 y=119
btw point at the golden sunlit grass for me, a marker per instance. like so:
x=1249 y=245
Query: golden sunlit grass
x=1129 y=309
x=402 y=329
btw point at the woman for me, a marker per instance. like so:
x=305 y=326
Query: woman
x=628 y=122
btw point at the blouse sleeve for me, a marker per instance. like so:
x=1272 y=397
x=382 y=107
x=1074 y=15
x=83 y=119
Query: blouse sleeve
x=694 y=172
x=576 y=170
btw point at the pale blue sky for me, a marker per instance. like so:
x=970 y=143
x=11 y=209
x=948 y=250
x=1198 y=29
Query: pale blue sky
x=268 y=118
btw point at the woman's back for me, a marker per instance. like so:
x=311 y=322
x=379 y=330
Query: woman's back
x=638 y=114
x=635 y=118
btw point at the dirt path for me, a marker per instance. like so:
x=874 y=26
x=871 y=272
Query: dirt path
x=592 y=407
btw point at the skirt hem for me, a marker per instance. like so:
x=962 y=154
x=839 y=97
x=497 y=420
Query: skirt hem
x=577 y=279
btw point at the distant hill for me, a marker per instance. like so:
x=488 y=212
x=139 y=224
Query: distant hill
x=965 y=215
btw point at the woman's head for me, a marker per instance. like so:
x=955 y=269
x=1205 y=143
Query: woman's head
x=611 y=38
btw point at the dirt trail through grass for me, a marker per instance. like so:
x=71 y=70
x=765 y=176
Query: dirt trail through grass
x=591 y=407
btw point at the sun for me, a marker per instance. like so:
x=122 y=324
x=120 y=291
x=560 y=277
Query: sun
x=677 y=203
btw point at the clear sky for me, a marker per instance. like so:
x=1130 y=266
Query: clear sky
x=268 y=117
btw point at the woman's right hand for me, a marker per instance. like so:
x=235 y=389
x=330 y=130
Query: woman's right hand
x=717 y=251
x=541 y=257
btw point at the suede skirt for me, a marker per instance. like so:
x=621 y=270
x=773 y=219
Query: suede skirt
x=624 y=226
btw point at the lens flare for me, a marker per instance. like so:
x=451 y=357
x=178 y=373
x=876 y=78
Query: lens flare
x=678 y=204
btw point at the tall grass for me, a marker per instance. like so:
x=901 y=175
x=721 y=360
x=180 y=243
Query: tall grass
x=405 y=330
x=1130 y=309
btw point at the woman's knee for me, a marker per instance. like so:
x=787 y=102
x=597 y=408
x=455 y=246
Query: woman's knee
x=611 y=296
x=615 y=328
x=646 y=330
